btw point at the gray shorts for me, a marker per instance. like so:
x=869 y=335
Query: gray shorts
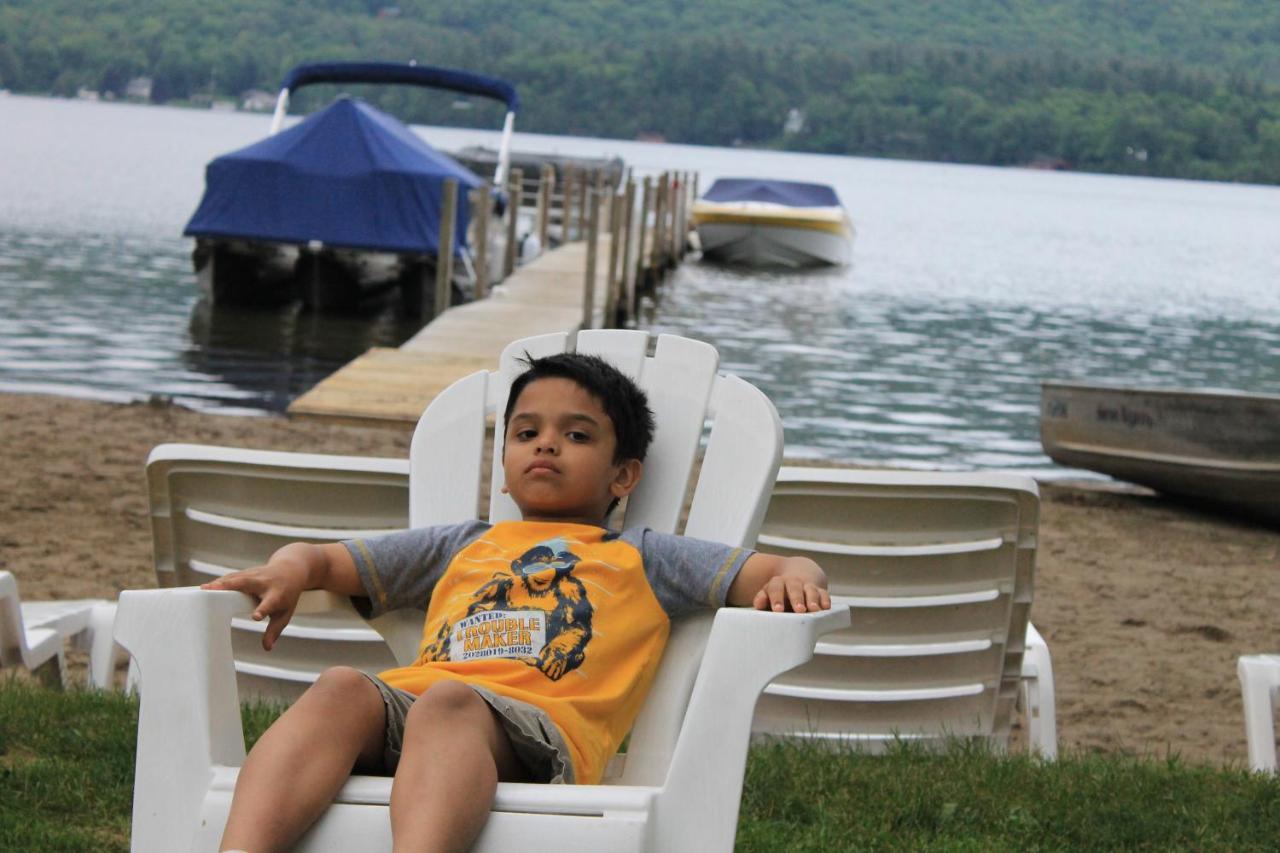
x=536 y=741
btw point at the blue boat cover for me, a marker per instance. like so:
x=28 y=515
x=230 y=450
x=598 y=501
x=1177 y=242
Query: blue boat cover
x=411 y=74
x=349 y=176
x=790 y=193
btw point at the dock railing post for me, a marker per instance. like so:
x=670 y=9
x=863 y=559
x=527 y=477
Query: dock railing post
x=583 y=186
x=661 y=198
x=589 y=283
x=566 y=206
x=628 y=271
x=444 y=249
x=481 y=207
x=642 y=245
x=678 y=232
x=615 y=251
x=599 y=186
x=546 y=183
x=515 y=190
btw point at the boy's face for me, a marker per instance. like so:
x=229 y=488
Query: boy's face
x=558 y=458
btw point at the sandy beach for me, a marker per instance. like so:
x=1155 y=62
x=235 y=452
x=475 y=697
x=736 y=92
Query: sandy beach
x=1145 y=604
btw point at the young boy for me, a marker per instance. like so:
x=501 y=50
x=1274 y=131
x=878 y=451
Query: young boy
x=541 y=636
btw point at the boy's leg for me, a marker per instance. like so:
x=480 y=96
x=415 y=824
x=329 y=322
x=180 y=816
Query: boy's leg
x=455 y=752
x=299 y=763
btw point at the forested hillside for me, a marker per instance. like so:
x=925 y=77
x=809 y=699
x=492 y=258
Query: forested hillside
x=1179 y=88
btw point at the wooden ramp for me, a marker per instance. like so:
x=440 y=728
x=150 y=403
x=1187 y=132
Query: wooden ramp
x=391 y=387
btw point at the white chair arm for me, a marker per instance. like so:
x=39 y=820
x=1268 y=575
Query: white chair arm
x=1038 y=695
x=747 y=650
x=1259 y=684
x=180 y=640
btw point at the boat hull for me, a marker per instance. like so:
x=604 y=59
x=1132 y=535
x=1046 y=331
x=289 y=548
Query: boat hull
x=773 y=235
x=1218 y=447
x=242 y=272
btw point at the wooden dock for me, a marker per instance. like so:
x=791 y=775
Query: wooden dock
x=585 y=283
x=390 y=387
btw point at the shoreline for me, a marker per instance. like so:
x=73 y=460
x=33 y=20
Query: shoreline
x=1145 y=603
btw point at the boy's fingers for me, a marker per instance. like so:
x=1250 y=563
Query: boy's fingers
x=796 y=593
x=812 y=597
x=777 y=595
x=761 y=601
x=825 y=598
x=274 y=627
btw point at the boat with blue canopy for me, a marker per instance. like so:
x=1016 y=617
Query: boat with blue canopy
x=342 y=205
x=773 y=223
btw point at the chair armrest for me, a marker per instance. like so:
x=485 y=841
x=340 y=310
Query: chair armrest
x=747 y=649
x=189 y=717
x=1037 y=693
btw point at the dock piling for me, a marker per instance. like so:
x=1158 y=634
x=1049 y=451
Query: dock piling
x=642 y=244
x=515 y=193
x=481 y=208
x=546 y=183
x=628 y=271
x=444 y=248
x=589 y=279
x=615 y=245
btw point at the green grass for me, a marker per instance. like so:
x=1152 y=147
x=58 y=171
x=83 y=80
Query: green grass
x=66 y=777
x=801 y=799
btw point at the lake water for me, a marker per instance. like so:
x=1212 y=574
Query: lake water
x=969 y=286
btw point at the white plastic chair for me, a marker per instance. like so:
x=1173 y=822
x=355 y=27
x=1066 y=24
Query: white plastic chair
x=679 y=784
x=35 y=633
x=216 y=510
x=1259 y=684
x=936 y=569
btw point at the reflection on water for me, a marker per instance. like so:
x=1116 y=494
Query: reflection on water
x=879 y=378
x=119 y=317
x=969 y=286
x=278 y=353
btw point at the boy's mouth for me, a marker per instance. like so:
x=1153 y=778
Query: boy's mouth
x=541 y=465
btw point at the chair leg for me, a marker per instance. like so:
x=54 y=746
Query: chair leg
x=104 y=652
x=1039 y=697
x=1259 y=681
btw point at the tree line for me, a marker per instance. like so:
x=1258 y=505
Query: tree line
x=921 y=101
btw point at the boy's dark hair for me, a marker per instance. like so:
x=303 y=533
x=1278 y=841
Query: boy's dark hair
x=619 y=396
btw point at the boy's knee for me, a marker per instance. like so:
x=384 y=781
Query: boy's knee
x=347 y=687
x=447 y=699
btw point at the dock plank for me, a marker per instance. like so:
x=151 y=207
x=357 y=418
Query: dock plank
x=390 y=387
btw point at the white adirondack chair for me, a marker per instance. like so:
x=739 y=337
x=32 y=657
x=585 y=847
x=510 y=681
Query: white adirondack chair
x=34 y=634
x=679 y=784
x=216 y=510
x=936 y=569
x=1259 y=686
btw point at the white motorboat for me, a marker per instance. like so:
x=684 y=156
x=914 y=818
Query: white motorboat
x=772 y=223
x=342 y=206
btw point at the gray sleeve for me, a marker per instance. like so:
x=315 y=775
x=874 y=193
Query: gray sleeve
x=401 y=569
x=687 y=574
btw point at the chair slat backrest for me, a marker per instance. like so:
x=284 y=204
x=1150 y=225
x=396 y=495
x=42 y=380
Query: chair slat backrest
x=220 y=509
x=684 y=390
x=937 y=571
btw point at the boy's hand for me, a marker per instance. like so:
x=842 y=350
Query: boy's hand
x=782 y=593
x=771 y=582
x=277 y=586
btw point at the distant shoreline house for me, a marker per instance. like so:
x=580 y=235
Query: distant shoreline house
x=257 y=101
x=139 y=89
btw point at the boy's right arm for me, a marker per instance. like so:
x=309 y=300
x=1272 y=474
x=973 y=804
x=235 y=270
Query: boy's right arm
x=290 y=571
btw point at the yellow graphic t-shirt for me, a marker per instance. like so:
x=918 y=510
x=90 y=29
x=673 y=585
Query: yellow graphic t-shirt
x=569 y=618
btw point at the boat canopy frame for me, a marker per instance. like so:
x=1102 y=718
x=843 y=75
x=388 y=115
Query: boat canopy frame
x=410 y=74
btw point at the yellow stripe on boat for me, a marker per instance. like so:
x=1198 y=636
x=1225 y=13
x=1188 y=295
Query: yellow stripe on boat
x=812 y=219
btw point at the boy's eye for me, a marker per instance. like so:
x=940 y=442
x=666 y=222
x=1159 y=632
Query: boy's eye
x=578 y=435
x=525 y=434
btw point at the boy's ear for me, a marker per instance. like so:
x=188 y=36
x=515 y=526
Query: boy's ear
x=627 y=478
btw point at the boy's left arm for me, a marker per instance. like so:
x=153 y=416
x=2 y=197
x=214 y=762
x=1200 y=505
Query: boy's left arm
x=770 y=582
